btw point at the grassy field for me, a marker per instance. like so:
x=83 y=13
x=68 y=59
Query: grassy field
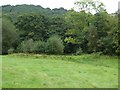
x=49 y=71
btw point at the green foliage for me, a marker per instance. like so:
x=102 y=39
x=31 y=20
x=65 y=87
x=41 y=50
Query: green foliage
x=15 y=11
x=106 y=45
x=11 y=51
x=9 y=35
x=90 y=6
x=72 y=36
x=57 y=26
x=40 y=47
x=26 y=46
x=79 y=29
x=55 y=45
x=102 y=24
x=78 y=23
x=92 y=39
x=32 y=26
x=0 y=34
x=79 y=51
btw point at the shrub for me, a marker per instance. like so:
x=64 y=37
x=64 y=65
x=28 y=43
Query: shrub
x=54 y=45
x=40 y=47
x=118 y=51
x=79 y=51
x=10 y=51
x=26 y=46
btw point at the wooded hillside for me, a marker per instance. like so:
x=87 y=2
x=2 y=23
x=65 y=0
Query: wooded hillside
x=34 y=29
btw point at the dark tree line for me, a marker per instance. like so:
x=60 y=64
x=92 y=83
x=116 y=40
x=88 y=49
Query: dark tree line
x=72 y=32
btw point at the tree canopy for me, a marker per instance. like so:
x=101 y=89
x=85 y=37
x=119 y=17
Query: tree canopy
x=86 y=30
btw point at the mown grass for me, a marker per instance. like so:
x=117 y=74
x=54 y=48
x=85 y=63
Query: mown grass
x=50 y=71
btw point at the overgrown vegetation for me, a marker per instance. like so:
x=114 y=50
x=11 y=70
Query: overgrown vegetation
x=79 y=31
x=9 y=35
x=53 y=45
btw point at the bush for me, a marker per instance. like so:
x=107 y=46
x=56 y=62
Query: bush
x=10 y=51
x=55 y=45
x=30 y=46
x=40 y=47
x=26 y=46
x=79 y=51
x=118 y=51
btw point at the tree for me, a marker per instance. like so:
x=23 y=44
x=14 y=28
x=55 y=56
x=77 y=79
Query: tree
x=9 y=35
x=26 y=46
x=102 y=24
x=57 y=26
x=40 y=47
x=89 y=29
x=0 y=33
x=76 y=34
x=92 y=39
x=32 y=26
x=90 y=6
x=55 y=45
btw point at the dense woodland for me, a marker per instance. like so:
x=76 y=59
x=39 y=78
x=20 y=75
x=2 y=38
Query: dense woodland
x=34 y=29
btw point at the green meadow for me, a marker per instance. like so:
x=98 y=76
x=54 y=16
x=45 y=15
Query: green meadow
x=59 y=71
